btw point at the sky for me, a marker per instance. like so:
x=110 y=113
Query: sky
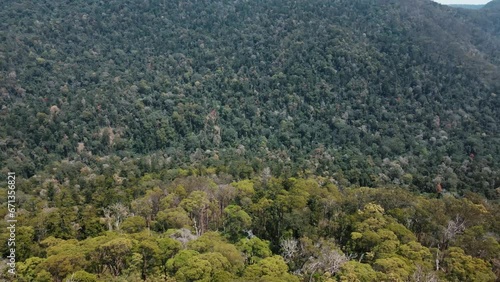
x=474 y=2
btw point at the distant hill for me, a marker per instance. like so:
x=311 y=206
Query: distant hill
x=465 y=6
x=495 y=4
x=488 y=18
x=368 y=93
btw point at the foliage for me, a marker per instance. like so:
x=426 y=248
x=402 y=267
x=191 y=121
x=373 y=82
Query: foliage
x=289 y=229
x=257 y=140
x=372 y=93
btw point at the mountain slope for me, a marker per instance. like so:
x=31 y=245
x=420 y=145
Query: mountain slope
x=467 y=6
x=368 y=92
x=489 y=17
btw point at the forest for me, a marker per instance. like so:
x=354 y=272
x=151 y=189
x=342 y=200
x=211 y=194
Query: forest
x=200 y=225
x=251 y=140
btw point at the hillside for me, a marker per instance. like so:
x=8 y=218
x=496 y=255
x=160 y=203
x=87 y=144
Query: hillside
x=366 y=92
x=489 y=17
x=466 y=6
x=261 y=140
x=495 y=4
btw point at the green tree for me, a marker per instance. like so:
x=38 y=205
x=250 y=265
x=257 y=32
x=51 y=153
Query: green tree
x=25 y=247
x=168 y=248
x=395 y=268
x=236 y=221
x=354 y=271
x=254 y=249
x=134 y=224
x=180 y=260
x=151 y=256
x=476 y=241
x=44 y=276
x=461 y=267
x=81 y=276
x=269 y=269
x=62 y=264
x=173 y=218
x=205 y=267
x=214 y=242
x=113 y=254
x=27 y=270
x=196 y=204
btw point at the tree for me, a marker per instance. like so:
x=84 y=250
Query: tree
x=205 y=267
x=254 y=249
x=269 y=269
x=173 y=219
x=151 y=256
x=454 y=228
x=244 y=189
x=476 y=241
x=91 y=225
x=95 y=256
x=196 y=204
x=24 y=243
x=62 y=264
x=327 y=260
x=133 y=224
x=214 y=242
x=395 y=268
x=421 y=274
x=168 y=248
x=114 y=215
x=180 y=260
x=289 y=248
x=44 y=276
x=355 y=271
x=27 y=270
x=113 y=254
x=236 y=221
x=143 y=207
x=195 y=269
x=81 y=276
x=461 y=267
x=225 y=194
x=184 y=236
x=61 y=222
x=149 y=205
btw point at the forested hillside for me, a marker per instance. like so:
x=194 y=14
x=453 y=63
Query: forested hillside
x=368 y=92
x=251 y=140
x=465 y=6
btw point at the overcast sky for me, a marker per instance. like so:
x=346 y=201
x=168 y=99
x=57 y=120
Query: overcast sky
x=475 y=2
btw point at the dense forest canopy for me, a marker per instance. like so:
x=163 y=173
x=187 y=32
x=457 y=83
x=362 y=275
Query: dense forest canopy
x=368 y=92
x=251 y=140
